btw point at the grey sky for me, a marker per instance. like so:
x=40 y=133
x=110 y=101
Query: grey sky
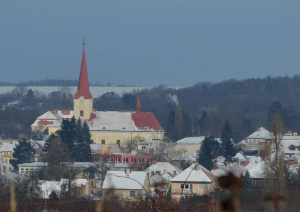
x=170 y=42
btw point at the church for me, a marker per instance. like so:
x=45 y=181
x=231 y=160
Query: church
x=106 y=127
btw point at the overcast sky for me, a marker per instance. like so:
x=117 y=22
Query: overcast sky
x=149 y=42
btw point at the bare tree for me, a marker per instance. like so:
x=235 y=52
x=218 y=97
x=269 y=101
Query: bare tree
x=19 y=91
x=274 y=165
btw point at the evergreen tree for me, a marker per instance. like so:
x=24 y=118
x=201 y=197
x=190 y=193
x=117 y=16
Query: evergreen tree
x=68 y=133
x=226 y=131
x=49 y=141
x=82 y=150
x=205 y=157
x=77 y=139
x=86 y=133
x=247 y=181
x=228 y=149
x=23 y=153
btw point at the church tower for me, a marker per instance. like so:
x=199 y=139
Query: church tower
x=83 y=100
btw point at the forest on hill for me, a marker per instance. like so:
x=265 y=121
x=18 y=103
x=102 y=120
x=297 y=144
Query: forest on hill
x=201 y=109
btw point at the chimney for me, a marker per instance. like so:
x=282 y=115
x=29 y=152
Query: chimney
x=255 y=161
x=4 y=169
x=158 y=172
x=246 y=163
x=127 y=171
x=214 y=166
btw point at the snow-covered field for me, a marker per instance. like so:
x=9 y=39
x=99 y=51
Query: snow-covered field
x=95 y=90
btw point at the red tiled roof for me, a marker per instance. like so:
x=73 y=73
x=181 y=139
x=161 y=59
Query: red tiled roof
x=44 y=122
x=83 y=84
x=66 y=112
x=146 y=120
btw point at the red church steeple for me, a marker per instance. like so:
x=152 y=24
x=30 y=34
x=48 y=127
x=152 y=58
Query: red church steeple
x=83 y=88
x=138 y=103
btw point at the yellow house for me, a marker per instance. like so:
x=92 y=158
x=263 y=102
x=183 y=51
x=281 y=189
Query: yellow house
x=106 y=127
x=6 y=152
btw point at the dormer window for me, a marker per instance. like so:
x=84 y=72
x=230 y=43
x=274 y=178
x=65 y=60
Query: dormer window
x=81 y=113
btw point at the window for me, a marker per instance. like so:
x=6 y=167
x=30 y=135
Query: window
x=81 y=113
x=186 y=186
x=102 y=141
x=119 y=142
x=92 y=182
x=117 y=160
x=149 y=160
x=101 y=160
x=109 y=160
x=125 y=160
x=143 y=147
x=203 y=186
x=133 y=160
x=132 y=193
x=141 y=160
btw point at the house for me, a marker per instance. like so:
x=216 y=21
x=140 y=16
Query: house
x=181 y=160
x=59 y=187
x=191 y=144
x=256 y=140
x=27 y=169
x=160 y=175
x=106 y=127
x=6 y=151
x=130 y=159
x=95 y=176
x=150 y=147
x=256 y=171
x=236 y=170
x=6 y=173
x=105 y=149
x=195 y=180
x=241 y=158
x=127 y=186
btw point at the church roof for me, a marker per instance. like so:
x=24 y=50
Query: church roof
x=83 y=84
x=123 y=121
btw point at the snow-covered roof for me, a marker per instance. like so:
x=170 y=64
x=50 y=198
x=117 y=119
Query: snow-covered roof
x=195 y=173
x=184 y=156
x=123 y=121
x=260 y=133
x=34 y=164
x=193 y=141
x=157 y=179
x=290 y=140
x=48 y=186
x=7 y=147
x=119 y=180
x=163 y=168
x=256 y=170
x=253 y=159
x=48 y=115
x=96 y=147
x=240 y=157
x=288 y=151
x=7 y=174
x=53 y=118
x=236 y=170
